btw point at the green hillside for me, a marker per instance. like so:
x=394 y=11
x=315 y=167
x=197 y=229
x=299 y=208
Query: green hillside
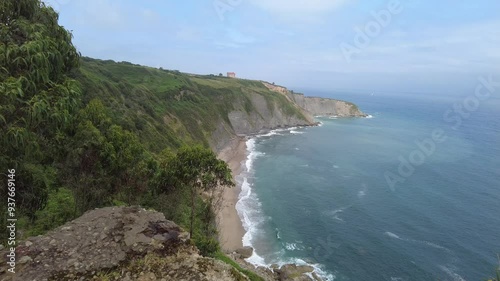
x=167 y=108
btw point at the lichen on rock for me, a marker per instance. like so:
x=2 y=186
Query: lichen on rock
x=115 y=243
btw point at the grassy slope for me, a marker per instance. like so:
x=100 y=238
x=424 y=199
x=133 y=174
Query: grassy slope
x=168 y=108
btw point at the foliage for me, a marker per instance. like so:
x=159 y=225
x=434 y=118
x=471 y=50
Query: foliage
x=251 y=275
x=37 y=99
x=60 y=208
x=197 y=169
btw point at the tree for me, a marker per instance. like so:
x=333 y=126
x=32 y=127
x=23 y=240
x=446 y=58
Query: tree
x=37 y=98
x=198 y=169
x=220 y=75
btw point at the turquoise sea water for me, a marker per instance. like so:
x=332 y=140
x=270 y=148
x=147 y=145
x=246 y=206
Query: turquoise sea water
x=320 y=195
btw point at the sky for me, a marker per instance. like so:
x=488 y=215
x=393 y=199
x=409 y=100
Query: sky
x=378 y=45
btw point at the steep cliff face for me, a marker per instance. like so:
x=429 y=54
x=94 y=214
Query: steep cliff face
x=256 y=112
x=326 y=107
x=317 y=106
x=265 y=116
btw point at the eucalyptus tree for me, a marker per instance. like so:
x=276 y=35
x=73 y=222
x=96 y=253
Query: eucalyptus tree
x=37 y=98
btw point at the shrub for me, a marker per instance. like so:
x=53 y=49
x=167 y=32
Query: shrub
x=60 y=208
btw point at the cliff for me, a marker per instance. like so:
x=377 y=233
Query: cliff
x=124 y=243
x=318 y=106
x=169 y=108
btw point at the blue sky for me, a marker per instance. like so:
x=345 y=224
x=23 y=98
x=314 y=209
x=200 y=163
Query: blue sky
x=419 y=46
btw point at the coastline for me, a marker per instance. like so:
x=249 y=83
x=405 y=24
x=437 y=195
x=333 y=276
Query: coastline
x=231 y=229
x=230 y=225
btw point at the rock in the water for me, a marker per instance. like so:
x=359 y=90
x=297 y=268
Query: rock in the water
x=293 y=272
x=245 y=252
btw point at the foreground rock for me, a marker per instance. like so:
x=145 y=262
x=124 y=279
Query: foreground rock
x=125 y=243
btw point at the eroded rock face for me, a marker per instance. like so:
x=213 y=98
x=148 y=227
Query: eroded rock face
x=265 y=116
x=327 y=107
x=319 y=106
x=122 y=243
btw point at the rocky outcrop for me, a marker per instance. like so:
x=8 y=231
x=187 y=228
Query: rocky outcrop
x=317 y=106
x=287 y=272
x=293 y=272
x=326 y=107
x=245 y=252
x=121 y=243
x=256 y=114
x=265 y=116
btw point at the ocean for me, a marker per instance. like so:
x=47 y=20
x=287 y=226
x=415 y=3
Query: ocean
x=411 y=193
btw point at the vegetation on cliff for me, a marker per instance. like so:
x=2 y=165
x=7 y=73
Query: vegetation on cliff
x=168 y=108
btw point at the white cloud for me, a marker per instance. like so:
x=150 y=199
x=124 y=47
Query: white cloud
x=466 y=48
x=233 y=39
x=100 y=12
x=188 y=33
x=150 y=15
x=296 y=9
x=238 y=37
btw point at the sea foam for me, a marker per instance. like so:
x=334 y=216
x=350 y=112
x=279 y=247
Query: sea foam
x=252 y=217
x=248 y=203
x=427 y=243
x=452 y=274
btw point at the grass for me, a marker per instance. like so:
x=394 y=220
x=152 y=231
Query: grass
x=251 y=275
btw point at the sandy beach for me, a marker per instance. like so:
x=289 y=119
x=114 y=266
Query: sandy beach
x=231 y=230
